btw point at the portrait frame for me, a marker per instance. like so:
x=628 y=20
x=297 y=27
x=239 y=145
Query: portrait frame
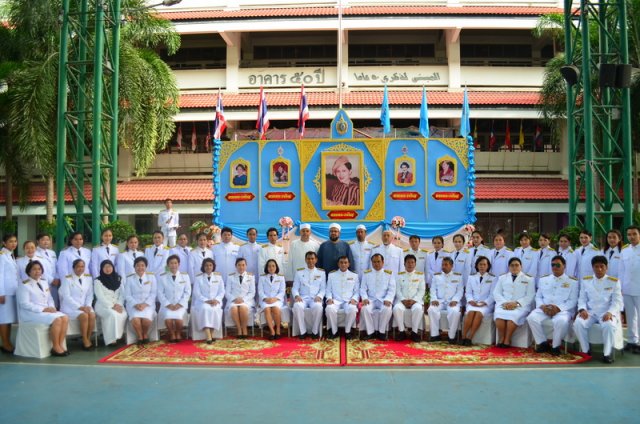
x=328 y=180
x=232 y=173
x=451 y=179
x=412 y=171
x=275 y=180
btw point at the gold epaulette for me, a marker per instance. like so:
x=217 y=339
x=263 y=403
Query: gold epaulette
x=424 y=250
x=199 y=274
x=573 y=278
x=612 y=278
x=162 y=274
x=148 y=245
x=216 y=273
x=457 y=273
x=419 y=272
x=68 y=276
x=184 y=273
x=588 y=277
x=25 y=281
x=405 y=250
x=401 y=273
x=299 y=269
x=438 y=273
x=87 y=275
x=233 y=273
x=129 y=275
x=321 y=269
x=509 y=249
x=351 y=242
x=334 y=271
x=388 y=272
x=366 y=271
x=149 y=273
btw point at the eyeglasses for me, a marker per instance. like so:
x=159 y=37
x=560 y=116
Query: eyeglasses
x=556 y=265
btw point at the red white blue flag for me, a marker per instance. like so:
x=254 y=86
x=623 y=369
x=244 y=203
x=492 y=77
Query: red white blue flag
x=220 y=124
x=303 y=113
x=262 y=124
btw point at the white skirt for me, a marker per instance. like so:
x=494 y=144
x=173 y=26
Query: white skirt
x=276 y=304
x=484 y=310
x=8 y=311
x=166 y=313
x=40 y=317
x=207 y=316
x=147 y=313
x=71 y=313
x=518 y=315
x=112 y=322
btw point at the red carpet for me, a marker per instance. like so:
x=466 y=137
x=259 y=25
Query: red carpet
x=322 y=353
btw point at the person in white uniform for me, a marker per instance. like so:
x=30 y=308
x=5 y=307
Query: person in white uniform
x=584 y=254
x=446 y=292
x=480 y=303
x=43 y=250
x=528 y=255
x=240 y=292
x=415 y=250
x=250 y=250
x=208 y=294
x=124 y=261
x=299 y=249
x=104 y=251
x=629 y=272
x=157 y=254
x=169 y=221
x=477 y=249
x=174 y=292
x=271 y=250
x=198 y=255
x=76 y=300
x=434 y=259
x=361 y=251
x=309 y=285
x=140 y=290
x=271 y=292
x=75 y=250
x=342 y=294
x=556 y=300
x=545 y=254
x=225 y=253
x=182 y=251
x=514 y=295
x=9 y=276
x=500 y=256
x=410 y=289
x=35 y=304
x=600 y=301
x=613 y=252
x=31 y=254
x=391 y=253
x=566 y=251
x=377 y=291
x=461 y=257
x=109 y=291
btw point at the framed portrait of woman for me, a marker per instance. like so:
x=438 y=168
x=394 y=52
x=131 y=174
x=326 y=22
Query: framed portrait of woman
x=240 y=175
x=279 y=169
x=447 y=171
x=342 y=176
x=405 y=171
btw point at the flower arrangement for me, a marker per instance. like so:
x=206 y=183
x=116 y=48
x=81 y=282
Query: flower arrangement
x=286 y=222
x=398 y=222
x=468 y=231
x=211 y=231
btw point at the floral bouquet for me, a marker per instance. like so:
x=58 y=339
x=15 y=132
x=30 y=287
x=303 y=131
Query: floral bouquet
x=287 y=225
x=397 y=223
x=468 y=231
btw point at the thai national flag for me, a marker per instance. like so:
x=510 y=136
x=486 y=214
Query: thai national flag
x=262 y=124
x=537 y=140
x=492 y=139
x=220 y=123
x=303 y=113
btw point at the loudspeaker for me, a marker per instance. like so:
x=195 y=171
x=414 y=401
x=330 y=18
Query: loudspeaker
x=607 y=75
x=623 y=76
x=570 y=73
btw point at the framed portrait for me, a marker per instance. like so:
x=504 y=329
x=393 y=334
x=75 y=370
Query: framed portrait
x=240 y=173
x=446 y=171
x=405 y=171
x=279 y=170
x=342 y=177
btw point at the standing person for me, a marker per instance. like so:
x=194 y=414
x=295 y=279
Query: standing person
x=250 y=251
x=30 y=255
x=298 y=251
x=377 y=291
x=271 y=250
x=225 y=253
x=514 y=294
x=629 y=272
x=182 y=251
x=584 y=254
x=342 y=294
x=309 y=285
x=410 y=289
x=104 y=251
x=434 y=259
x=500 y=256
x=240 y=292
x=600 y=301
x=140 y=292
x=198 y=255
x=124 y=261
x=169 y=221
x=546 y=253
x=477 y=249
x=391 y=254
x=157 y=253
x=76 y=298
x=446 y=291
x=528 y=255
x=43 y=249
x=361 y=251
x=75 y=250
x=9 y=276
x=480 y=302
x=613 y=252
x=271 y=292
x=461 y=257
x=415 y=250
x=556 y=300
x=331 y=250
x=566 y=251
x=174 y=292
x=109 y=292
x=208 y=294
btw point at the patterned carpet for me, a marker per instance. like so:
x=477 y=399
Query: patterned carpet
x=322 y=353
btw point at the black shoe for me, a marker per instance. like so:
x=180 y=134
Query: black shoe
x=543 y=347
x=589 y=353
x=501 y=345
x=88 y=348
x=140 y=343
x=272 y=337
x=332 y=336
x=607 y=359
x=175 y=341
x=382 y=337
x=630 y=347
x=6 y=351
x=467 y=342
x=146 y=341
x=368 y=336
x=433 y=339
x=401 y=336
x=452 y=341
x=555 y=351
x=58 y=354
x=66 y=353
x=210 y=341
x=314 y=336
x=348 y=336
x=636 y=350
x=415 y=337
x=302 y=336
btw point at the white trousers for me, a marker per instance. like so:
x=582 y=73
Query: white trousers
x=632 y=312
x=332 y=315
x=171 y=240
x=581 y=328
x=316 y=313
x=376 y=316
x=560 y=321
x=417 y=313
x=453 y=316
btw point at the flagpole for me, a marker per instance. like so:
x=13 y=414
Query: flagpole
x=339 y=54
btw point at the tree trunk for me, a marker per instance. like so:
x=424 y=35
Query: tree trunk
x=49 y=199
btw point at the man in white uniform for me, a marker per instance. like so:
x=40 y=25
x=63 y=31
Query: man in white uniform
x=157 y=254
x=377 y=290
x=391 y=254
x=629 y=272
x=270 y=250
x=446 y=291
x=309 y=285
x=410 y=288
x=225 y=253
x=342 y=294
x=298 y=251
x=250 y=250
x=556 y=300
x=199 y=254
x=169 y=221
x=415 y=250
x=361 y=251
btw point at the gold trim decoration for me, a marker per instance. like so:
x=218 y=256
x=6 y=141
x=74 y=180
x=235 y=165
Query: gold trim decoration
x=412 y=169
x=230 y=147
x=317 y=178
x=333 y=154
x=376 y=211
x=454 y=168
x=247 y=165
x=459 y=146
x=272 y=164
x=308 y=212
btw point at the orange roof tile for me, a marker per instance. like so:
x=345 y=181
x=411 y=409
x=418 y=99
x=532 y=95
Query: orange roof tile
x=522 y=189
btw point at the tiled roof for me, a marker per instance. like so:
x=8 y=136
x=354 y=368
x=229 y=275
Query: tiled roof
x=362 y=98
x=359 y=11
x=522 y=189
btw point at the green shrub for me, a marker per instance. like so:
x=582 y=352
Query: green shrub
x=120 y=229
x=574 y=234
x=145 y=240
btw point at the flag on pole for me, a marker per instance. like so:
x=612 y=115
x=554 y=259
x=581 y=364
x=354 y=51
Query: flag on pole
x=475 y=135
x=537 y=139
x=424 y=115
x=194 y=138
x=179 y=136
x=262 y=124
x=492 y=139
x=303 y=112
x=521 y=137
x=465 y=125
x=220 y=124
x=507 y=138
x=385 y=119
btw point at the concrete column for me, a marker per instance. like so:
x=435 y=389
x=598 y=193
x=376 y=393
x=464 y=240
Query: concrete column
x=233 y=60
x=344 y=60
x=27 y=227
x=453 y=57
x=125 y=164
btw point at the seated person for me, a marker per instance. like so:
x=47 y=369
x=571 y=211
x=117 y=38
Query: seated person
x=240 y=293
x=76 y=298
x=208 y=293
x=377 y=290
x=109 y=292
x=271 y=292
x=479 y=294
x=445 y=293
x=410 y=288
x=174 y=292
x=140 y=299
x=309 y=285
x=342 y=294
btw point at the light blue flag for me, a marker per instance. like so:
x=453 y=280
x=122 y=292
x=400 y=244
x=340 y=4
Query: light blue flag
x=465 y=125
x=424 y=115
x=385 y=119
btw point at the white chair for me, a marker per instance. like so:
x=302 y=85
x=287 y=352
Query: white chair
x=153 y=331
x=595 y=336
x=196 y=334
x=33 y=340
x=74 y=329
x=522 y=337
x=486 y=334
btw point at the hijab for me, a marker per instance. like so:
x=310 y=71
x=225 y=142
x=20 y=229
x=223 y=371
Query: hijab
x=110 y=281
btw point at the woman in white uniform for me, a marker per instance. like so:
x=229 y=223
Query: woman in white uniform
x=9 y=276
x=35 y=304
x=500 y=255
x=208 y=293
x=174 y=292
x=75 y=250
x=271 y=291
x=140 y=299
x=31 y=254
x=105 y=251
x=240 y=293
x=514 y=294
x=76 y=298
x=124 y=261
x=109 y=292
x=613 y=252
x=479 y=294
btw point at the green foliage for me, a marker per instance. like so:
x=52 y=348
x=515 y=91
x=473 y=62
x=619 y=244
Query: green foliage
x=574 y=234
x=47 y=227
x=9 y=227
x=534 y=239
x=120 y=229
x=636 y=218
x=145 y=240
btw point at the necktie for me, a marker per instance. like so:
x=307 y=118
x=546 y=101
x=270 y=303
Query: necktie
x=481 y=277
x=582 y=252
x=457 y=253
x=436 y=255
x=475 y=251
x=561 y=253
x=271 y=278
x=107 y=250
x=40 y=287
x=173 y=277
x=209 y=278
x=610 y=254
x=541 y=252
x=186 y=251
x=155 y=253
x=30 y=259
x=522 y=253
x=79 y=254
x=513 y=277
x=203 y=253
x=140 y=280
x=495 y=255
x=134 y=255
x=240 y=278
x=46 y=253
